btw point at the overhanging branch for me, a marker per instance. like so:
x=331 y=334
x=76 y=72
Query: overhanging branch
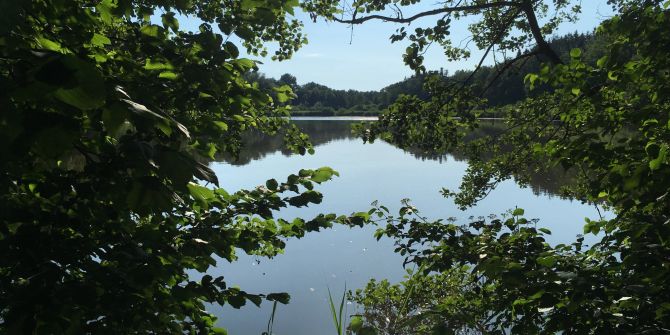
x=535 y=29
x=506 y=66
x=429 y=13
x=496 y=40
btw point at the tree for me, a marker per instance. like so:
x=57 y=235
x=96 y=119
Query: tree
x=288 y=79
x=505 y=25
x=110 y=216
x=608 y=121
x=422 y=303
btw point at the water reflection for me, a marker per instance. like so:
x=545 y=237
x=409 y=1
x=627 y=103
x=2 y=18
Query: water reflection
x=333 y=257
x=321 y=132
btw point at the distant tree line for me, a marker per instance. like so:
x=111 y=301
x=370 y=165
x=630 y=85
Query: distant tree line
x=316 y=99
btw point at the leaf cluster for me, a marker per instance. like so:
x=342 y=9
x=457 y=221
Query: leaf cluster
x=606 y=120
x=110 y=216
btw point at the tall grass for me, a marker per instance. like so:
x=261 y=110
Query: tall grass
x=271 y=322
x=338 y=316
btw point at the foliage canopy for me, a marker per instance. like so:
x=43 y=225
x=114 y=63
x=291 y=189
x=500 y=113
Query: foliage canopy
x=110 y=216
x=607 y=120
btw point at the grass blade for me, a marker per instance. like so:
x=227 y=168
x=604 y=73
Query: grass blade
x=338 y=319
x=271 y=322
x=332 y=311
x=341 y=307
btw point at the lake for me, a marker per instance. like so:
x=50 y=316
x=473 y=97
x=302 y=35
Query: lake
x=331 y=258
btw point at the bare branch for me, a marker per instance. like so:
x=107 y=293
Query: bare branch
x=542 y=44
x=496 y=40
x=506 y=67
x=430 y=13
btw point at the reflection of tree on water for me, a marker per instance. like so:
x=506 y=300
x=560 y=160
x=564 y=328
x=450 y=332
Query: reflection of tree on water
x=257 y=146
x=544 y=183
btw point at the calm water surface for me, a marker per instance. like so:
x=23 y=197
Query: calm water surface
x=341 y=255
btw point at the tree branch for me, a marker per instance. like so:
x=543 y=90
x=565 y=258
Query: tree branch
x=542 y=44
x=496 y=40
x=430 y=12
x=506 y=67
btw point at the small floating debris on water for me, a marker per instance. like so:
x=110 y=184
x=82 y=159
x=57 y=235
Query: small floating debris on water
x=311 y=289
x=365 y=249
x=350 y=241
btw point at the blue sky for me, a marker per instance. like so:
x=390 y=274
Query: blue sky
x=371 y=61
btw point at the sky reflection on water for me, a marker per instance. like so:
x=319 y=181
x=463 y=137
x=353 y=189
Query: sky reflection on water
x=368 y=172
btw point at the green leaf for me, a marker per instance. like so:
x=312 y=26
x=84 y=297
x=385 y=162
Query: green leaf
x=237 y=301
x=151 y=30
x=151 y=64
x=576 y=53
x=254 y=298
x=548 y=261
x=113 y=118
x=201 y=194
x=602 y=61
x=203 y=172
x=531 y=78
x=245 y=63
x=356 y=323
x=272 y=184
x=164 y=126
x=211 y=151
x=45 y=43
x=283 y=298
x=89 y=91
x=244 y=32
x=537 y=295
x=104 y=8
x=149 y=195
x=612 y=76
x=306 y=198
x=100 y=40
x=221 y=125
x=284 y=93
x=518 y=212
x=323 y=174
x=176 y=166
x=170 y=21
x=656 y=163
x=168 y=75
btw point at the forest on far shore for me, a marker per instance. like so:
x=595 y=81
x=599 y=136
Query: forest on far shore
x=313 y=99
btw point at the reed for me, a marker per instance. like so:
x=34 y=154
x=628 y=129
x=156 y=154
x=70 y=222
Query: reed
x=338 y=316
x=271 y=321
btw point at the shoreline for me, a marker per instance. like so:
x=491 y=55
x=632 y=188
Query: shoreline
x=360 y=118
